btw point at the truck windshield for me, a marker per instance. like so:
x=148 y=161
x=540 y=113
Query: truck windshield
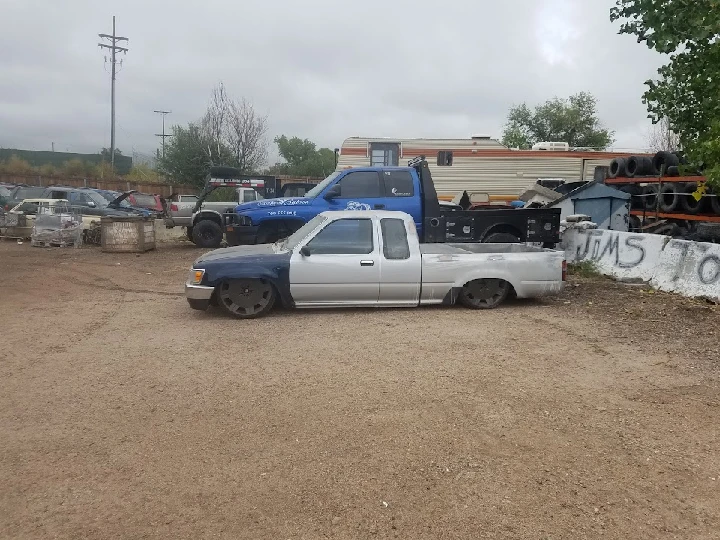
x=314 y=192
x=295 y=238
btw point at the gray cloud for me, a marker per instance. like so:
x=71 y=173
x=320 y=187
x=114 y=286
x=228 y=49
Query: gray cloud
x=320 y=69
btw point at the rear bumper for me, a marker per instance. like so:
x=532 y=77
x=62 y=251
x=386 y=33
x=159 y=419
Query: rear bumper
x=198 y=296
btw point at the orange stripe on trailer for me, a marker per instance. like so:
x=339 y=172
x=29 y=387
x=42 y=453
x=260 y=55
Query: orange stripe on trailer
x=477 y=153
x=684 y=217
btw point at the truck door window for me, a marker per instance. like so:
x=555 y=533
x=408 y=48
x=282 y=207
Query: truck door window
x=360 y=185
x=249 y=195
x=395 y=242
x=398 y=184
x=384 y=154
x=344 y=237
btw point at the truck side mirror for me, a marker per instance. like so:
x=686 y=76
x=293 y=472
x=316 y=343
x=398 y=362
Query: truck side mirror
x=305 y=251
x=332 y=193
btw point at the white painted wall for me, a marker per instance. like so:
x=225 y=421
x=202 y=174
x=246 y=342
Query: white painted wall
x=687 y=268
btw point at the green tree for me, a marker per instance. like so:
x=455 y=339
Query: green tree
x=189 y=154
x=573 y=120
x=687 y=90
x=302 y=158
x=230 y=133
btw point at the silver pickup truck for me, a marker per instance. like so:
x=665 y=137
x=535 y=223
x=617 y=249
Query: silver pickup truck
x=180 y=214
x=365 y=259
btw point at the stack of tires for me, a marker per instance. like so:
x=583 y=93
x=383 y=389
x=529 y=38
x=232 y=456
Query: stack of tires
x=672 y=196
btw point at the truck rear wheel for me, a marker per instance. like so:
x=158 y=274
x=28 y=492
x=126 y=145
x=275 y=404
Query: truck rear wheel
x=484 y=293
x=246 y=298
x=501 y=238
x=207 y=234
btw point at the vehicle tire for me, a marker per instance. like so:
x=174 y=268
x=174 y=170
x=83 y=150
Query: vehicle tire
x=189 y=233
x=207 y=234
x=650 y=194
x=617 y=168
x=673 y=171
x=268 y=233
x=635 y=191
x=638 y=166
x=484 y=293
x=715 y=202
x=687 y=202
x=669 y=198
x=664 y=158
x=246 y=298
x=501 y=238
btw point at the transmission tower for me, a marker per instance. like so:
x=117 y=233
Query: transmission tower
x=163 y=135
x=114 y=49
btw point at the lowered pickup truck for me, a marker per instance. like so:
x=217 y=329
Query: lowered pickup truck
x=368 y=258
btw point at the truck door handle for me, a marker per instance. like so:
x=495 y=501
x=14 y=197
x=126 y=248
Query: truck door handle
x=379 y=206
x=367 y=263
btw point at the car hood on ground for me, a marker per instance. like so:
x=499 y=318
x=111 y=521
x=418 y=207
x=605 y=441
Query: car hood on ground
x=237 y=252
x=268 y=204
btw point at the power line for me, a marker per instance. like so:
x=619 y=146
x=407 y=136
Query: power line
x=114 y=49
x=163 y=135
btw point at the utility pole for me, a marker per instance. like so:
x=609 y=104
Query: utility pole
x=163 y=135
x=114 y=49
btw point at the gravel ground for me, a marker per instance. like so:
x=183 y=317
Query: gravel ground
x=124 y=414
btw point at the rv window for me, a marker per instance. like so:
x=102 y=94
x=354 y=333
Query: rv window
x=445 y=158
x=398 y=184
x=384 y=154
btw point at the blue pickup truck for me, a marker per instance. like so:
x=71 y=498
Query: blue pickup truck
x=407 y=189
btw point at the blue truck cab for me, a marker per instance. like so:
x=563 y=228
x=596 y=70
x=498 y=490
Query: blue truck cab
x=369 y=188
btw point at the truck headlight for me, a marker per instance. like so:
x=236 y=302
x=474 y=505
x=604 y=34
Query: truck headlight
x=196 y=276
x=244 y=221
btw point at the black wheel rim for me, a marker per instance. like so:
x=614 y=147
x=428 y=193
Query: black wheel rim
x=485 y=292
x=207 y=235
x=246 y=297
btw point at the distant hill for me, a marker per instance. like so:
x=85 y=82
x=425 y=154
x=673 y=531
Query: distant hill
x=37 y=158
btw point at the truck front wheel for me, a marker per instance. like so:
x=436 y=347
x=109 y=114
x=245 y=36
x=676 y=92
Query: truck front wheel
x=484 y=293
x=246 y=298
x=207 y=234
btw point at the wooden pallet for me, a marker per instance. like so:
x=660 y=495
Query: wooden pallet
x=62 y=244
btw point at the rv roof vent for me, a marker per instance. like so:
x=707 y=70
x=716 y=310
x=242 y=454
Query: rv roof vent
x=552 y=146
x=480 y=137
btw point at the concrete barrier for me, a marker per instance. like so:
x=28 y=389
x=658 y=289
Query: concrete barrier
x=687 y=268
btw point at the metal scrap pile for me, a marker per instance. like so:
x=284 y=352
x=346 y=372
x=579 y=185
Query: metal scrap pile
x=57 y=226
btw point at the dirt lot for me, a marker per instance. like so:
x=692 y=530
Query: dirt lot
x=124 y=414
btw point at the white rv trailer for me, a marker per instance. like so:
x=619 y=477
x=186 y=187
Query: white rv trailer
x=478 y=164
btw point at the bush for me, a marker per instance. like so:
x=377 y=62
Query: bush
x=16 y=165
x=47 y=170
x=584 y=269
x=77 y=167
x=143 y=173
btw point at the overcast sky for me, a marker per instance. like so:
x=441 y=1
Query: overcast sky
x=320 y=69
